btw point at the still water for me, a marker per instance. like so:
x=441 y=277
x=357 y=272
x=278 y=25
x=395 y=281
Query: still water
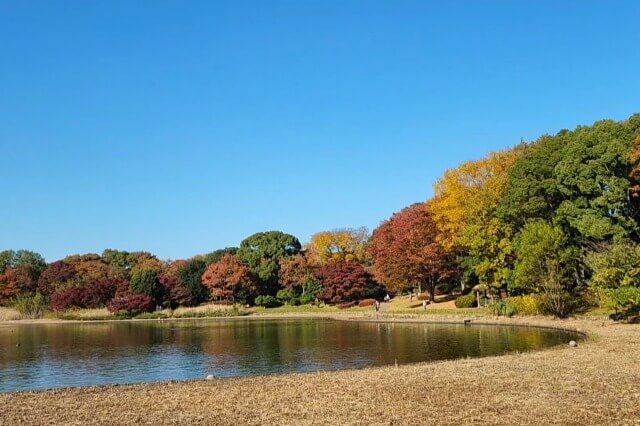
x=41 y=356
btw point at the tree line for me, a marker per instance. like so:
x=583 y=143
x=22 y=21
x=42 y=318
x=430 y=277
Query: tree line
x=554 y=220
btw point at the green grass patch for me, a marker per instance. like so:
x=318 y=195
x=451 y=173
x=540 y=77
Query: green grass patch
x=289 y=309
x=217 y=313
x=76 y=316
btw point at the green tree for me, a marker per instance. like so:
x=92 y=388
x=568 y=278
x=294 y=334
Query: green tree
x=262 y=253
x=190 y=277
x=145 y=281
x=31 y=259
x=593 y=178
x=616 y=274
x=545 y=265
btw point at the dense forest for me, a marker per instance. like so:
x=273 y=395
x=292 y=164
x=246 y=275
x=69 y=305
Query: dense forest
x=549 y=226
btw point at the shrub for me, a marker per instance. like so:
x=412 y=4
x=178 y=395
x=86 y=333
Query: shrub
x=267 y=301
x=366 y=302
x=30 y=306
x=623 y=298
x=222 y=302
x=285 y=295
x=503 y=308
x=94 y=294
x=67 y=297
x=423 y=296
x=525 y=305
x=132 y=303
x=466 y=301
x=233 y=312
x=346 y=305
x=294 y=301
x=559 y=303
x=310 y=289
x=152 y=315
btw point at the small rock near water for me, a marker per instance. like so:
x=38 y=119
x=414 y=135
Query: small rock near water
x=573 y=344
x=210 y=377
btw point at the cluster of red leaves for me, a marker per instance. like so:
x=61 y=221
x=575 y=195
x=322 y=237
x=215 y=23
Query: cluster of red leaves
x=406 y=252
x=130 y=301
x=343 y=282
x=55 y=274
x=293 y=271
x=94 y=294
x=227 y=276
x=13 y=281
x=177 y=293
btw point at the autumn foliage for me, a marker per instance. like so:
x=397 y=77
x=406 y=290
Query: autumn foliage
x=340 y=244
x=407 y=254
x=228 y=277
x=94 y=294
x=344 y=281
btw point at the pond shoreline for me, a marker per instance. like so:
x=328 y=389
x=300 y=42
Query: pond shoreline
x=517 y=321
x=554 y=385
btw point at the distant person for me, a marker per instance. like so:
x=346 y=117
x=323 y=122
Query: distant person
x=411 y=297
x=387 y=298
x=424 y=305
x=377 y=305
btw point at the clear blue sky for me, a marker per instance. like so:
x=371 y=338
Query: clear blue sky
x=181 y=127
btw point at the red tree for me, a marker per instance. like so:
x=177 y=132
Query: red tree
x=344 y=281
x=13 y=281
x=406 y=253
x=94 y=294
x=54 y=275
x=226 y=277
x=293 y=271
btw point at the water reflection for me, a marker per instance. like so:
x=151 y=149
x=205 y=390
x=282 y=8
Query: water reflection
x=54 y=355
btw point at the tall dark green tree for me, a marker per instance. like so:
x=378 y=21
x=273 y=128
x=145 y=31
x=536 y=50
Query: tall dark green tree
x=262 y=252
x=190 y=277
x=145 y=281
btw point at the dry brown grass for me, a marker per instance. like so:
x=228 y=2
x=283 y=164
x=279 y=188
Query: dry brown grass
x=209 y=307
x=8 y=314
x=597 y=382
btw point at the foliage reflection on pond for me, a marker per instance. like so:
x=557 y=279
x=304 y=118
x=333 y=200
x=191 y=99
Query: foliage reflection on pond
x=54 y=355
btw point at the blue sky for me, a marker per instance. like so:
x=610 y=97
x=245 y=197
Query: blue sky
x=181 y=127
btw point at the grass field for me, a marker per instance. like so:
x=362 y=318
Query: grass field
x=597 y=382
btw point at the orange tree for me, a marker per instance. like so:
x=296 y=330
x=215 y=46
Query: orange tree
x=407 y=254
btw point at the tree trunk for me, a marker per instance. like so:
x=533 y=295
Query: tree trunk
x=432 y=290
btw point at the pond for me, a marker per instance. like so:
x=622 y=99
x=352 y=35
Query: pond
x=37 y=356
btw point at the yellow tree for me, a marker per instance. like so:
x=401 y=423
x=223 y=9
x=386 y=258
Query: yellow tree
x=464 y=208
x=340 y=244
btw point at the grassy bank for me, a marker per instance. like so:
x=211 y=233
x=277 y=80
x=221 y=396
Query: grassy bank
x=397 y=306
x=594 y=383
